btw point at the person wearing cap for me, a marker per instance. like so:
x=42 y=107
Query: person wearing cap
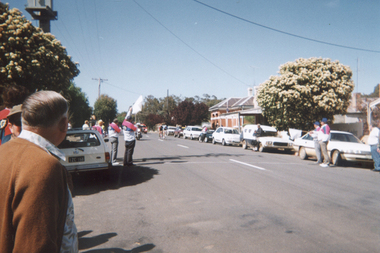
x=323 y=139
x=129 y=137
x=14 y=120
x=317 y=147
x=374 y=143
x=12 y=95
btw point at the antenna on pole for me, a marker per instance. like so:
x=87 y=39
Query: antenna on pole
x=42 y=11
x=100 y=81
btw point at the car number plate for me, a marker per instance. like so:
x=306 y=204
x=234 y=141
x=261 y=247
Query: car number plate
x=76 y=159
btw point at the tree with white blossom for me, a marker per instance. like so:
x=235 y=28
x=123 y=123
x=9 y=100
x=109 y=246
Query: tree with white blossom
x=30 y=57
x=306 y=90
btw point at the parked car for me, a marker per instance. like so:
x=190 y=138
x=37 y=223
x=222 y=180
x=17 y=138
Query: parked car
x=226 y=136
x=170 y=130
x=343 y=146
x=178 y=132
x=269 y=139
x=192 y=132
x=206 y=136
x=85 y=150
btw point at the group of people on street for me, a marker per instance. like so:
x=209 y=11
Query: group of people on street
x=321 y=137
x=36 y=207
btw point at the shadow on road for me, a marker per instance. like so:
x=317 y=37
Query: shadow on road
x=90 y=242
x=91 y=182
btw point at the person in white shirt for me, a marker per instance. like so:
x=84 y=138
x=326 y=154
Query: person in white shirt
x=113 y=131
x=373 y=142
x=86 y=125
x=323 y=139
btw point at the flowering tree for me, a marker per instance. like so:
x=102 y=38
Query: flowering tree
x=307 y=90
x=30 y=57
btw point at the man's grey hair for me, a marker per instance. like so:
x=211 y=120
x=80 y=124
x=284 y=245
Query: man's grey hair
x=43 y=109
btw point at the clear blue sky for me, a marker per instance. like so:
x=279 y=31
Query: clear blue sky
x=147 y=47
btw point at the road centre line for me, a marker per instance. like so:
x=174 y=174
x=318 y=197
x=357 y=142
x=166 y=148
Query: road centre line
x=182 y=146
x=247 y=164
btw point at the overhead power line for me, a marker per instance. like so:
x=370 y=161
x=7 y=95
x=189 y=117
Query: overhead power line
x=287 y=33
x=189 y=45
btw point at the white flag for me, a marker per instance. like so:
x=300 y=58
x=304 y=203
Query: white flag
x=137 y=106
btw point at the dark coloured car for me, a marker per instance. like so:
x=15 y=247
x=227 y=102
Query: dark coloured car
x=206 y=136
x=178 y=132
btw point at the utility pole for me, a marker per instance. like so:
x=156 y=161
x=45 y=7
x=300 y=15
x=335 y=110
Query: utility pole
x=100 y=81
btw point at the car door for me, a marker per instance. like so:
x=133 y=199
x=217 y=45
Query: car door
x=217 y=134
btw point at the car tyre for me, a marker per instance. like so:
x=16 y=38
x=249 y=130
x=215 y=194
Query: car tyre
x=191 y=137
x=302 y=153
x=336 y=159
x=206 y=139
x=200 y=139
x=213 y=141
x=184 y=136
x=223 y=142
x=244 y=145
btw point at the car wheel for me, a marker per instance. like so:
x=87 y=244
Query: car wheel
x=206 y=139
x=191 y=137
x=336 y=159
x=213 y=141
x=244 y=145
x=261 y=148
x=200 y=139
x=223 y=142
x=184 y=136
x=302 y=153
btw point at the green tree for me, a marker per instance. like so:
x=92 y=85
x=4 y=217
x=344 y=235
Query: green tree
x=30 y=57
x=79 y=106
x=105 y=108
x=306 y=90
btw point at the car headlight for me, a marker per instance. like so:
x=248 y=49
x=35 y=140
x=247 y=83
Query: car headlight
x=269 y=143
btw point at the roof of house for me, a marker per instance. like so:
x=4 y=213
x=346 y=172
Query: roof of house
x=233 y=103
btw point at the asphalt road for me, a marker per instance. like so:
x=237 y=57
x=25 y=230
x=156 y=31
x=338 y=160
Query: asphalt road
x=186 y=196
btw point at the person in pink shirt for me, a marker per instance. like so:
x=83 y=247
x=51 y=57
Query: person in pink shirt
x=113 y=132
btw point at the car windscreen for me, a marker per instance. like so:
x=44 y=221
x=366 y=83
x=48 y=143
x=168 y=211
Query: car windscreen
x=344 y=137
x=231 y=131
x=79 y=140
x=268 y=134
x=196 y=129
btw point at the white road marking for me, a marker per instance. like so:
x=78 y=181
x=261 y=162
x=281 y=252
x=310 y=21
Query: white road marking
x=182 y=146
x=247 y=164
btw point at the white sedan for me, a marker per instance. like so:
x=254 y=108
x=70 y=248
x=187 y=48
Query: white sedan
x=192 y=132
x=226 y=136
x=343 y=146
x=85 y=150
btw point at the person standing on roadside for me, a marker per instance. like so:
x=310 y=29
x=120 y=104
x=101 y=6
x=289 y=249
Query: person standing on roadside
x=129 y=137
x=374 y=142
x=14 y=121
x=323 y=139
x=86 y=125
x=36 y=207
x=12 y=95
x=317 y=147
x=113 y=131
x=258 y=132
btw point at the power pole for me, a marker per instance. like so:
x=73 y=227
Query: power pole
x=100 y=81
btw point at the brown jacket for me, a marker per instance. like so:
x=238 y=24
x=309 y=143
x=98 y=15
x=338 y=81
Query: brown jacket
x=33 y=198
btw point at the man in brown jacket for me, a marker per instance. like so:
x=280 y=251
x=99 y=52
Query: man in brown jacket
x=36 y=209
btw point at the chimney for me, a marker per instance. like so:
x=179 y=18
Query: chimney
x=250 y=92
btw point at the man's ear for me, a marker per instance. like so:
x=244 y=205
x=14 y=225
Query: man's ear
x=63 y=124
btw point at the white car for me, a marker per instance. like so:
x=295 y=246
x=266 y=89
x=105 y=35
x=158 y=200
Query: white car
x=85 y=150
x=270 y=139
x=192 y=132
x=226 y=136
x=343 y=146
x=170 y=130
